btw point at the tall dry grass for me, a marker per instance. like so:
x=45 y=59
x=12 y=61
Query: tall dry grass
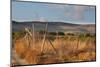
x=69 y=49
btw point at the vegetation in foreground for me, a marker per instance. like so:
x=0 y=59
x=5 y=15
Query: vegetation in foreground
x=69 y=47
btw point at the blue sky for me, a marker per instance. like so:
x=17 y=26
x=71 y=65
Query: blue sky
x=28 y=11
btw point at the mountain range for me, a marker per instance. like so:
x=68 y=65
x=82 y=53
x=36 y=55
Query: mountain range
x=54 y=26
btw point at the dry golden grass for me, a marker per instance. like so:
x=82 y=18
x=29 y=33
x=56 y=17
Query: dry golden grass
x=68 y=50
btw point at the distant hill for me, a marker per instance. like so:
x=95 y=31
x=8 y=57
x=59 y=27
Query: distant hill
x=55 y=26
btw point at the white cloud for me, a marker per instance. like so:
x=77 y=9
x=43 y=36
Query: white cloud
x=78 y=12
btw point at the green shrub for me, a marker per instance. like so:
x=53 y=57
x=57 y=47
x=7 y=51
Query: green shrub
x=18 y=34
x=52 y=33
x=61 y=33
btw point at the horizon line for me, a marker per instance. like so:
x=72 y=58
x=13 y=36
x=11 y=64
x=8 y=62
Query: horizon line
x=52 y=21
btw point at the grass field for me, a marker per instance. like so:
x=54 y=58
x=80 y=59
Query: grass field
x=66 y=48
